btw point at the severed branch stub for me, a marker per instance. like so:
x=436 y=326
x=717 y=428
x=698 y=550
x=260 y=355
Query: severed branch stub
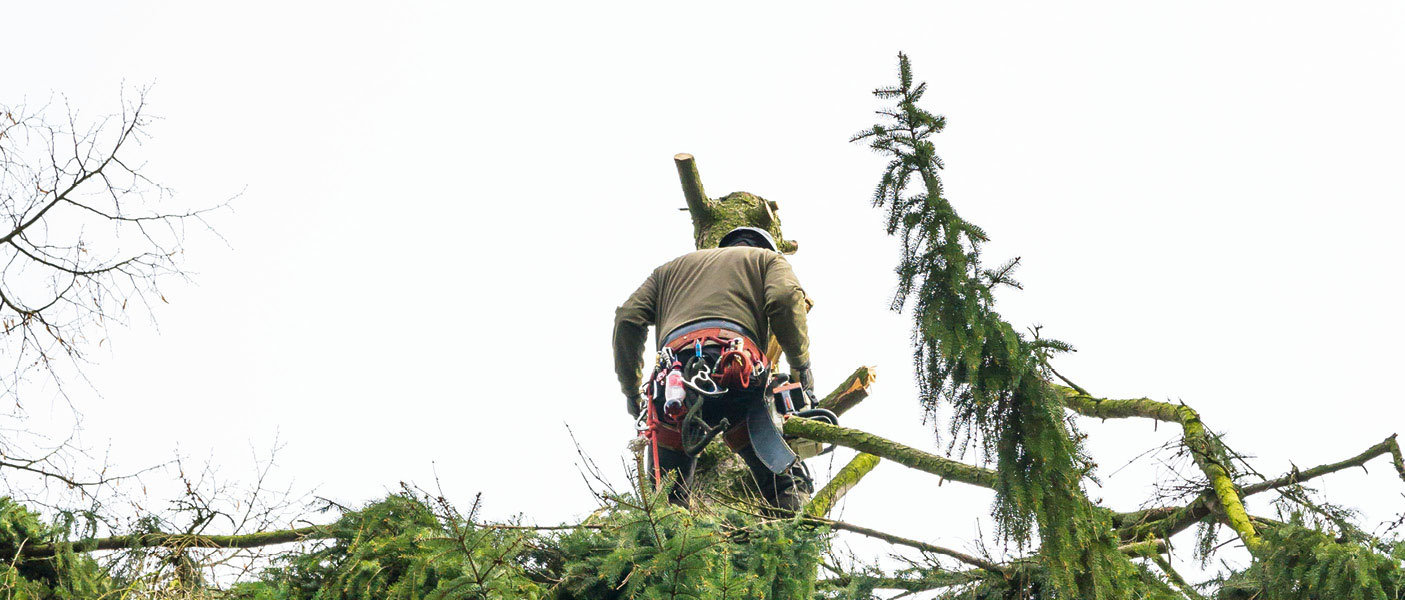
x=693 y=192
x=851 y=392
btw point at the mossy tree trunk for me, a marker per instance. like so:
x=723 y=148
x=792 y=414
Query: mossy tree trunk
x=714 y=217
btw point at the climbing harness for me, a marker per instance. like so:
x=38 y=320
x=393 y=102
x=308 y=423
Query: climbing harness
x=703 y=363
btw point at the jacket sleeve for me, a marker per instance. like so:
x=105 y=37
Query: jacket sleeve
x=785 y=312
x=632 y=321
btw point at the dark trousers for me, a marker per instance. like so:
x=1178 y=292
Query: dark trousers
x=788 y=491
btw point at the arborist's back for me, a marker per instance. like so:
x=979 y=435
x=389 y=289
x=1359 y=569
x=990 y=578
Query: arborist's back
x=714 y=311
x=752 y=287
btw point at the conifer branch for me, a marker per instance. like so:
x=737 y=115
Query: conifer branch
x=1387 y=446
x=1206 y=453
x=911 y=543
x=904 y=455
x=180 y=540
x=1144 y=549
x=843 y=481
x=930 y=581
x=801 y=515
x=1164 y=522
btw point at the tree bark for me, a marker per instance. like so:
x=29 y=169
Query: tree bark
x=698 y=204
x=1176 y=578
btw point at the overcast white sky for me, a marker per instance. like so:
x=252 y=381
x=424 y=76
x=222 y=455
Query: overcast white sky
x=443 y=204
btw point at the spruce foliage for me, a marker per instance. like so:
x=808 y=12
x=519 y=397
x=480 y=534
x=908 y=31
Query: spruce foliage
x=64 y=576
x=992 y=376
x=1305 y=561
x=413 y=547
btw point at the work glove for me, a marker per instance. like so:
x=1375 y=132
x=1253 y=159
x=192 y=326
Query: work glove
x=806 y=378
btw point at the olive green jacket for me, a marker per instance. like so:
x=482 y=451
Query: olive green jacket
x=752 y=287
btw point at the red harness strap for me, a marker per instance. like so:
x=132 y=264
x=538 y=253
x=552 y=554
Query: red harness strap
x=719 y=335
x=734 y=367
x=668 y=436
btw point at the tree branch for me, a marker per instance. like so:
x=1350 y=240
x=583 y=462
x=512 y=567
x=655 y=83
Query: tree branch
x=1176 y=578
x=902 y=541
x=71 y=483
x=843 y=481
x=1144 y=549
x=1196 y=439
x=1163 y=522
x=885 y=448
x=928 y=582
x=1387 y=446
x=178 y=540
x=851 y=392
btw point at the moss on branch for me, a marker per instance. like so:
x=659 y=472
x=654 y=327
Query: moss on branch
x=843 y=481
x=1207 y=453
x=1144 y=549
x=885 y=448
x=1175 y=578
x=1163 y=522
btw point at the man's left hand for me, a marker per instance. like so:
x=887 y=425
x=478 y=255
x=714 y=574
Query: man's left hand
x=806 y=378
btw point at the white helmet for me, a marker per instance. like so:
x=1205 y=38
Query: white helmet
x=740 y=232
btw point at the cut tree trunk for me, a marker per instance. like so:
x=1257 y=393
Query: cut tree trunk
x=714 y=217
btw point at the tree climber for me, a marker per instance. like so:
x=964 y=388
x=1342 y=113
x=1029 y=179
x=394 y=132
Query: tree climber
x=712 y=311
